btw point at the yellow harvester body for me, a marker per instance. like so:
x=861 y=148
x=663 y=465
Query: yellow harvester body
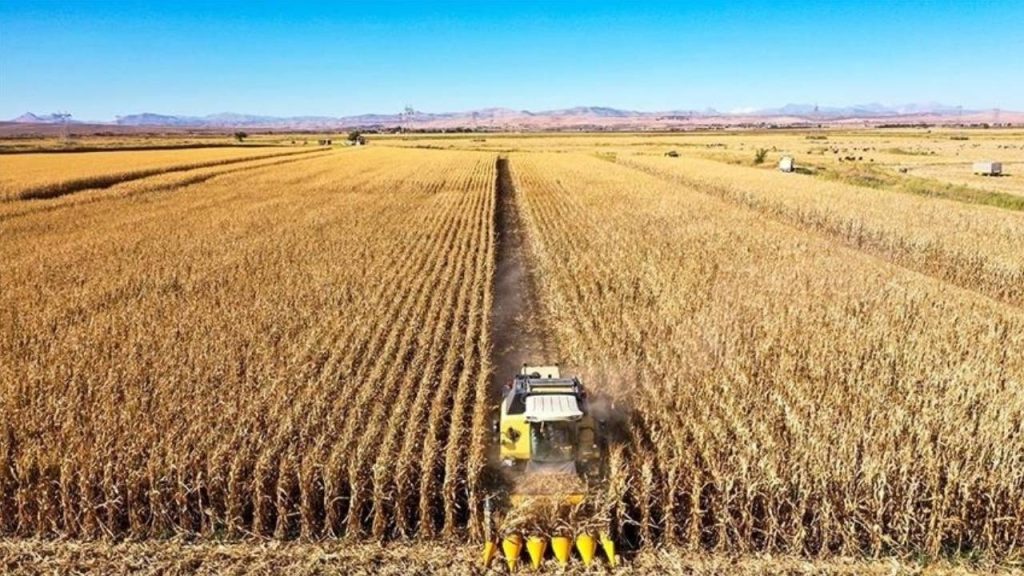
x=547 y=434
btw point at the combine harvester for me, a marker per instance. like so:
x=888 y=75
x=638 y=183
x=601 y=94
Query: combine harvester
x=550 y=451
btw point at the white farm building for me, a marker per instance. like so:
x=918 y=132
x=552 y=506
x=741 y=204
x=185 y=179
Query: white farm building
x=988 y=168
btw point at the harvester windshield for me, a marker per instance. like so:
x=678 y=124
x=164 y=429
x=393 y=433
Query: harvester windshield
x=553 y=441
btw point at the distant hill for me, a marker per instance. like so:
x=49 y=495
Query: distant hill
x=147 y=119
x=30 y=118
x=579 y=118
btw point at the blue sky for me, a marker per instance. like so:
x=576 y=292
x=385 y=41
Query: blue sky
x=98 y=59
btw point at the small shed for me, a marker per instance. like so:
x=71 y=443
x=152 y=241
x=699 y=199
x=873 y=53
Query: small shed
x=786 y=164
x=988 y=168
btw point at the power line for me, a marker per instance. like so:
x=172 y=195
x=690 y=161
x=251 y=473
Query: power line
x=64 y=117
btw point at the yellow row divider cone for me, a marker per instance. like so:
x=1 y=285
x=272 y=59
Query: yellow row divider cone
x=562 y=547
x=490 y=549
x=535 y=547
x=511 y=547
x=587 y=546
x=609 y=549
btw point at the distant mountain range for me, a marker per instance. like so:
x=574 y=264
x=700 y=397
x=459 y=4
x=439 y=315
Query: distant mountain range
x=568 y=118
x=30 y=118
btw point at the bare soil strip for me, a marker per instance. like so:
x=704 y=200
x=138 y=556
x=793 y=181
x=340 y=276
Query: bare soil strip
x=517 y=330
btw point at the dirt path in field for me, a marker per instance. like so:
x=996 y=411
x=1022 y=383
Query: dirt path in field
x=517 y=328
x=520 y=334
x=517 y=331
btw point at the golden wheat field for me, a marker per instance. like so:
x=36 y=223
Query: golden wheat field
x=282 y=359
x=28 y=176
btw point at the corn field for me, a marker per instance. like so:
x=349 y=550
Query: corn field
x=297 y=346
x=278 y=352
x=785 y=392
x=974 y=247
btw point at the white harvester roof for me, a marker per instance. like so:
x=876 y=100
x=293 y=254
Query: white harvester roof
x=552 y=407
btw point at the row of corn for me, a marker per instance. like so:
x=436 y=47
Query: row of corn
x=561 y=547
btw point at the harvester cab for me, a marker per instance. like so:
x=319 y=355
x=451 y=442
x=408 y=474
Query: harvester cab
x=545 y=426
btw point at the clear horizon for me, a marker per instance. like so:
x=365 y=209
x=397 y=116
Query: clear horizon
x=101 y=60
x=696 y=111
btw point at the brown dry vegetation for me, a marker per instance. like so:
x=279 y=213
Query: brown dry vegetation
x=297 y=348
x=48 y=175
x=787 y=393
x=174 y=557
x=978 y=248
x=166 y=181
x=278 y=352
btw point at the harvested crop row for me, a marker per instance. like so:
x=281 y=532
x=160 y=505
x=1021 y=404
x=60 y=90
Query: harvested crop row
x=35 y=176
x=978 y=248
x=242 y=355
x=158 y=183
x=786 y=393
